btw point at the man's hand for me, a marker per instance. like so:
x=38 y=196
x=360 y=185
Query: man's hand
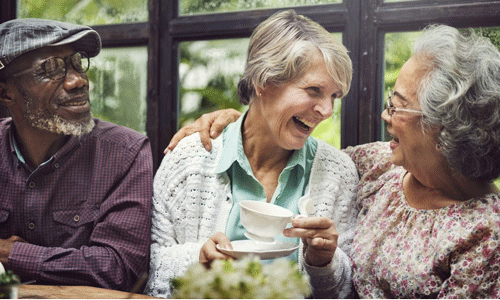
x=208 y=125
x=6 y=246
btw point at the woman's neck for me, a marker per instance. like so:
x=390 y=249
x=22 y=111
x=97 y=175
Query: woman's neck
x=442 y=189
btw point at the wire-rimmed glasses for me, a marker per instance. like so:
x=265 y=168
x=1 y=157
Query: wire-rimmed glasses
x=391 y=109
x=56 y=68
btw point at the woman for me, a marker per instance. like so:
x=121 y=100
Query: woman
x=429 y=224
x=295 y=70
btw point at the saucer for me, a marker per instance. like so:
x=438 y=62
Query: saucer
x=257 y=238
x=262 y=250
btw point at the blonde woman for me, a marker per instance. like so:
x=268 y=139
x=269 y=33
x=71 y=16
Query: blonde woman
x=295 y=71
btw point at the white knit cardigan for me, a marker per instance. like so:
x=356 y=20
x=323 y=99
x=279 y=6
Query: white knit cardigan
x=191 y=203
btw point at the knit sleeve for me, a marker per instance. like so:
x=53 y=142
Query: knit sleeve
x=333 y=188
x=177 y=234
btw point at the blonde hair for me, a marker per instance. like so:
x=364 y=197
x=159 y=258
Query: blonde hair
x=280 y=48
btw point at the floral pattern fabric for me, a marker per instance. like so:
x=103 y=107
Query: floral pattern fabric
x=402 y=252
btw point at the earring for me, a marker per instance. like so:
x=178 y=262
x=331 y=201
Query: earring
x=438 y=146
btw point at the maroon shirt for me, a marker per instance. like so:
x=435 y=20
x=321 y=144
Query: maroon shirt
x=85 y=213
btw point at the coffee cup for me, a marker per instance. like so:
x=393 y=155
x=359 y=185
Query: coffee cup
x=263 y=221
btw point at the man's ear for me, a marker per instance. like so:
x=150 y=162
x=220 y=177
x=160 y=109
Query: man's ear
x=5 y=92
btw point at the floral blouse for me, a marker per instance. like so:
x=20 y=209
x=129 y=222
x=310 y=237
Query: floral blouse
x=402 y=252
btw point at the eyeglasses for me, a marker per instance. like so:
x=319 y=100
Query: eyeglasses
x=56 y=68
x=391 y=109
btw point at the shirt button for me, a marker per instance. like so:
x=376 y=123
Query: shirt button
x=76 y=218
x=31 y=226
x=32 y=185
x=56 y=165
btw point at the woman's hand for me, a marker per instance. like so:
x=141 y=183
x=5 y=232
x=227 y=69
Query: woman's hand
x=319 y=237
x=209 y=252
x=208 y=125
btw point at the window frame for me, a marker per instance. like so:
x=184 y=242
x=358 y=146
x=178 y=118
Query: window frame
x=363 y=24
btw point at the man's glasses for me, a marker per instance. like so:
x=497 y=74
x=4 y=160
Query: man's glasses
x=391 y=109
x=56 y=68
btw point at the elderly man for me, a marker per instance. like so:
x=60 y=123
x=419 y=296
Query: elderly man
x=75 y=191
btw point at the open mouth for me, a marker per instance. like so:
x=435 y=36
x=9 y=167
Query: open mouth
x=303 y=123
x=74 y=103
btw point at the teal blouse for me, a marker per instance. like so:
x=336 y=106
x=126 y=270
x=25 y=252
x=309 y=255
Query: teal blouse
x=292 y=182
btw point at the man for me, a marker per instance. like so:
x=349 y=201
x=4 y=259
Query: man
x=75 y=192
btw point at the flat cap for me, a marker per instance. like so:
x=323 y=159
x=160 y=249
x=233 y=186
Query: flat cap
x=20 y=36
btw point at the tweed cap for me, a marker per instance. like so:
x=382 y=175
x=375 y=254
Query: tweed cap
x=20 y=36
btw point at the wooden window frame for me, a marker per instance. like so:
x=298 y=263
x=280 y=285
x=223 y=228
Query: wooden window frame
x=363 y=24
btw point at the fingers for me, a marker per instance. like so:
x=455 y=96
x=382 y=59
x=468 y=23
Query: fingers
x=201 y=125
x=208 y=125
x=224 y=118
x=209 y=251
x=319 y=237
x=222 y=240
x=182 y=133
x=15 y=238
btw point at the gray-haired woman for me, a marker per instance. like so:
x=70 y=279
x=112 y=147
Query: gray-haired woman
x=295 y=70
x=429 y=224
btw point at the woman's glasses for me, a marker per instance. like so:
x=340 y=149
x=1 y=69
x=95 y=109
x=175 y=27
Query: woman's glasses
x=56 y=68
x=391 y=109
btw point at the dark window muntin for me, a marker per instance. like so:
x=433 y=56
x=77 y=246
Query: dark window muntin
x=362 y=22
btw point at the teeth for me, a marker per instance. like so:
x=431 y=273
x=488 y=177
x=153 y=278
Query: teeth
x=76 y=103
x=306 y=122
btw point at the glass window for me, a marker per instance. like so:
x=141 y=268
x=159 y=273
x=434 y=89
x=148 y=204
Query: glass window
x=87 y=12
x=118 y=86
x=398 y=49
x=209 y=73
x=192 y=7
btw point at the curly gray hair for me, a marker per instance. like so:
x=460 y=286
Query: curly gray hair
x=461 y=96
x=280 y=48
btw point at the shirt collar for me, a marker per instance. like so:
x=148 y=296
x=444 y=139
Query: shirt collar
x=232 y=149
x=15 y=147
x=232 y=142
x=72 y=142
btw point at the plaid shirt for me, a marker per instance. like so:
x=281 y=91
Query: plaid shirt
x=85 y=213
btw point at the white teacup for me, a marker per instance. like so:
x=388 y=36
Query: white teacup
x=263 y=221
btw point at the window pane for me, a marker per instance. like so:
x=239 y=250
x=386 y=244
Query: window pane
x=87 y=12
x=398 y=49
x=191 y=7
x=118 y=86
x=209 y=73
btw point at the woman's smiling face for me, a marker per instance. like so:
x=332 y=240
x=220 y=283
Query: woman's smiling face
x=411 y=146
x=290 y=112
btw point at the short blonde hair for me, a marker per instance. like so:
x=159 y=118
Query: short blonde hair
x=280 y=48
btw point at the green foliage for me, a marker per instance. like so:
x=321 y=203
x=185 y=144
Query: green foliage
x=492 y=33
x=8 y=278
x=88 y=12
x=214 y=6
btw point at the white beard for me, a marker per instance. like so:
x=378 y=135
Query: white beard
x=54 y=123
